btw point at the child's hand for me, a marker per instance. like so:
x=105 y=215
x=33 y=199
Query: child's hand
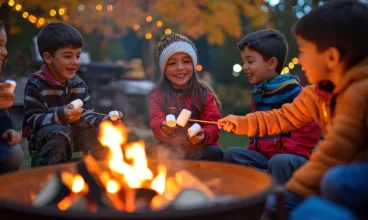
x=229 y=123
x=6 y=98
x=12 y=137
x=72 y=114
x=168 y=130
x=197 y=139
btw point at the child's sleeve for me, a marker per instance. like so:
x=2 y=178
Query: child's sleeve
x=210 y=113
x=302 y=111
x=89 y=116
x=157 y=116
x=36 y=111
x=346 y=138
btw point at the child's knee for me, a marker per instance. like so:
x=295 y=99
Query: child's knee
x=13 y=157
x=231 y=153
x=331 y=184
x=212 y=153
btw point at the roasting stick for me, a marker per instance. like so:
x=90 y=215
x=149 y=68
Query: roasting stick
x=203 y=121
x=208 y=122
x=93 y=112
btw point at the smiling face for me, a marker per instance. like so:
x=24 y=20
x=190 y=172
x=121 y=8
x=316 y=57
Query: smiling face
x=3 y=51
x=64 y=63
x=256 y=68
x=179 y=69
x=312 y=61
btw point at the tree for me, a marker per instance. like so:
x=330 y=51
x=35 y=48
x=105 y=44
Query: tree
x=214 y=19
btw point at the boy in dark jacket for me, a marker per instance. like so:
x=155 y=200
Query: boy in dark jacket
x=54 y=127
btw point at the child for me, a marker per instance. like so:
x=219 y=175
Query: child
x=11 y=153
x=332 y=41
x=53 y=127
x=179 y=88
x=263 y=54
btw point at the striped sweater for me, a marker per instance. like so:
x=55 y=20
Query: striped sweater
x=45 y=99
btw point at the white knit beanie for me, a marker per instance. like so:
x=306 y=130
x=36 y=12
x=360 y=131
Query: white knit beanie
x=171 y=44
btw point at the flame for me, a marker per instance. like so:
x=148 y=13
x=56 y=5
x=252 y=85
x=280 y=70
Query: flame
x=136 y=152
x=78 y=184
x=113 y=137
x=112 y=186
x=158 y=183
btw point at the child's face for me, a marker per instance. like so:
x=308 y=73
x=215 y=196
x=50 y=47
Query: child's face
x=179 y=70
x=3 y=51
x=313 y=62
x=64 y=63
x=255 y=68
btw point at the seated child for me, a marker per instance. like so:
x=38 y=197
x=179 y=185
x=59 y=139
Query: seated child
x=263 y=54
x=54 y=127
x=334 y=54
x=179 y=88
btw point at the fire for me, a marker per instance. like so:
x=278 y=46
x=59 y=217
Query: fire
x=135 y=173
x=158 y=183
x=112 y=186
x=78 y=184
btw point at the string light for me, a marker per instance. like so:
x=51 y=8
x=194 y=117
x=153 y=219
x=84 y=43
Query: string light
x=148 y=36
x=52 y=12
x=18 y=7
x=61 y=11
x=41 y=21
x=110 y=8
x=99 y=7
x=291 y=65
x=25 y=14
x=168 y=31
x=295 y=60
x=149 y=18
x=11 y=3
x=32 y=19
x=136 y=27
x=159 y=23
x=199 y=67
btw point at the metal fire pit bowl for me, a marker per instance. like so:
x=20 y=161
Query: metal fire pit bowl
x=248 y=185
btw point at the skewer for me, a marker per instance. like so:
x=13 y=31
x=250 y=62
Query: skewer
x=93 y=112
x=203 y=121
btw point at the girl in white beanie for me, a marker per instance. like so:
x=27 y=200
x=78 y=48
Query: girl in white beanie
x=179 y=88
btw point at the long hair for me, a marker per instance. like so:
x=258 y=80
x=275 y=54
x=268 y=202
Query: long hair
x=2 y=27
x=197 y=89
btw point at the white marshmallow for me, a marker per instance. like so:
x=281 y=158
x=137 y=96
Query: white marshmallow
x=183 y=118
x=171 y=120
x=77 y=104
x=114 y=115
x=194 y=129
x=13 y=84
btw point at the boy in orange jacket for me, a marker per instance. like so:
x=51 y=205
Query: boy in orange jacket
x=334 y=54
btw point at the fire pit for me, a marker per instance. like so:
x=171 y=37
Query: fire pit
x=249 y=186
x=128 y=185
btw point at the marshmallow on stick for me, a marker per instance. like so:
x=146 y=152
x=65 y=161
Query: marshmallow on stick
x=171 y=120
x=183 y=118
x=13 y=84
x=114 y=115
x=77 y=104
x=194 y=129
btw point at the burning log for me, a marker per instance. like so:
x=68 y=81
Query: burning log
x=98 y=182
x=54 y=191
x=187 y=180
x=189 y=198
x=143 y=198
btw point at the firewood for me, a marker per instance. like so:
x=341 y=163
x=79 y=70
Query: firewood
x=189 y=198
x=54 y=191
x=79 y=203
x=185 y=179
